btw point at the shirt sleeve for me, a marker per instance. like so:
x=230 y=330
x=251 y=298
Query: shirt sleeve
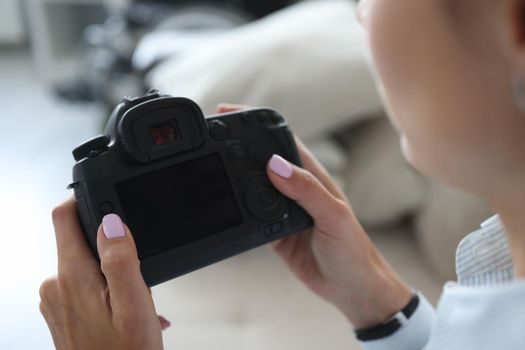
x=414 y=333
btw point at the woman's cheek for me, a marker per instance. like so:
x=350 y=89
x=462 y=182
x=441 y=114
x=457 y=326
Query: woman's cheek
x=389 y=55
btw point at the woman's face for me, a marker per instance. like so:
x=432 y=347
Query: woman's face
x=445 y=80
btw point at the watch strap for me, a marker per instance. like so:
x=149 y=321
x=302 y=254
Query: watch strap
x=392 y=324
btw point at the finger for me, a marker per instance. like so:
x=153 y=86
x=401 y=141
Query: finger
x=276 y=243
x=73 y=252
x=49 y=307
x=119 y=262
x=311 y=164
x=49 y=291
x=52 y=327
x=303 y=187
x=228 y=107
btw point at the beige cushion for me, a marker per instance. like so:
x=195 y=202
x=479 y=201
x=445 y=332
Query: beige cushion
x=308 y=62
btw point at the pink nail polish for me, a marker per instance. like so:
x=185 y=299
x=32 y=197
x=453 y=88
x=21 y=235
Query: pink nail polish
x=280 y=166
x=113 y=226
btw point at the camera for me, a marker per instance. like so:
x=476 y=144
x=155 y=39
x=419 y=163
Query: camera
x=193 y=190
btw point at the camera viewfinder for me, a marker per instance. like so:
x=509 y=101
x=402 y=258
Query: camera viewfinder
x=163 y=134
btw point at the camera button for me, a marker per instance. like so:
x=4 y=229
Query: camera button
x=238 y=151
x=266 y=198
x=218 y=130
x=262 y=117
x=277 y=228
x=273 y=229
x=106 y=208
x=275 y=118
x=93 y=154
x=246 y=117
x=91 y=148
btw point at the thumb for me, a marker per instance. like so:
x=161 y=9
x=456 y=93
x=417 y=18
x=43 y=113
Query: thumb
x=120 y=265
x=302 y=186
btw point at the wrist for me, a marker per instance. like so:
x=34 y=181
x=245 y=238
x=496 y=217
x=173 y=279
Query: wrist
x=392 y=325
x=384 y=296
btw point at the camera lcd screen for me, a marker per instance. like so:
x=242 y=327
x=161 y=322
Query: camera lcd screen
x=179 y=205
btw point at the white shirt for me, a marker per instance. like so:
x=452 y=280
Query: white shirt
x=484 y=310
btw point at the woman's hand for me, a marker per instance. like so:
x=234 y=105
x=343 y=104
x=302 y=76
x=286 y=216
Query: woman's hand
x=92 y=306
x=335 y=258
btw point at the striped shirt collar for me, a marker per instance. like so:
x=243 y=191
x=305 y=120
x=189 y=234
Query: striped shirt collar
x=483 y=257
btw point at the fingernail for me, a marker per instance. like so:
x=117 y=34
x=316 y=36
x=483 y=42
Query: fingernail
x=113 y=226
x=164 y=323
x=222 y=108
x=228 y=107
x=281 y=166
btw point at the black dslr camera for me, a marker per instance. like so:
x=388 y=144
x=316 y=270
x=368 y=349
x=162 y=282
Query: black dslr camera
x=193 y=190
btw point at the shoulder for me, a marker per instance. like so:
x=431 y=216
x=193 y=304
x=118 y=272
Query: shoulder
x=480 y=317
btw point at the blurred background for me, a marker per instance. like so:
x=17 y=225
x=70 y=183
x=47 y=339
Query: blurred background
x=64 y=64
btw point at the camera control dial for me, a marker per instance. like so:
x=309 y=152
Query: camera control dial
x=264 y=201
x=91 y=148
x=130 y=102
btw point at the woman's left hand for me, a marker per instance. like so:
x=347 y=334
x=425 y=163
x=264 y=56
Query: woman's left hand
x=92 y=306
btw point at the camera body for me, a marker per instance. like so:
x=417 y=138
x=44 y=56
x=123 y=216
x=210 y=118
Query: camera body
x=193 y=190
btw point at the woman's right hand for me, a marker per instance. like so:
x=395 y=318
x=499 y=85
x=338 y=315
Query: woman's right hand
x=335 y=258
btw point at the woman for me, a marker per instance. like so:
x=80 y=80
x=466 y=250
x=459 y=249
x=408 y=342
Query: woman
x=452 y=76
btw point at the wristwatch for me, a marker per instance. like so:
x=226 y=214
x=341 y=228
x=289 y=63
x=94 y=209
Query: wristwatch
x=392 y=324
